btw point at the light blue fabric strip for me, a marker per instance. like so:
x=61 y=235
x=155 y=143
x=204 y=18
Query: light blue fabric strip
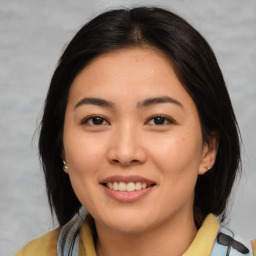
x=68 y=242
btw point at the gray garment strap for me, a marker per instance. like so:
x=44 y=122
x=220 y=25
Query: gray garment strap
x=224 y=250
x=68 y=242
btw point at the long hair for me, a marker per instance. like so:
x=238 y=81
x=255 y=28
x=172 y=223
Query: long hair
x=195 y=66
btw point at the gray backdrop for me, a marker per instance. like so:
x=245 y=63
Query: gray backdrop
x=32 y=36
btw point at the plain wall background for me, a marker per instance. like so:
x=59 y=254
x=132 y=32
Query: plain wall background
x=32 y=37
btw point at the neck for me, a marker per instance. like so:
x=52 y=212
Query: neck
x=171 y=238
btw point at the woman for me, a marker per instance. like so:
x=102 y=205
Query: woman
x=139 y=130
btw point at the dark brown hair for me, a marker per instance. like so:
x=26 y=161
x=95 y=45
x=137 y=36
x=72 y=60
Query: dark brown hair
x=197 y=69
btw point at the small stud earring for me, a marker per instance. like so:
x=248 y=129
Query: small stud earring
x=65 y=166
x=209 y=168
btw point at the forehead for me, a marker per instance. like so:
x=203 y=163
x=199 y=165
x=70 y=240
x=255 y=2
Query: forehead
x=128 y=63
x=134 y=74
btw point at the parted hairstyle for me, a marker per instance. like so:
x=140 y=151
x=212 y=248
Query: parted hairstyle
x=196 y=68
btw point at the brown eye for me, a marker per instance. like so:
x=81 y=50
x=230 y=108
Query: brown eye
x=95 y=121
x=160 y=120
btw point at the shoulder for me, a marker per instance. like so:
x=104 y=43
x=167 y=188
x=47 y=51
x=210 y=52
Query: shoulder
x=44 y=245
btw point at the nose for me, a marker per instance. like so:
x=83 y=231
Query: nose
x=126 y=148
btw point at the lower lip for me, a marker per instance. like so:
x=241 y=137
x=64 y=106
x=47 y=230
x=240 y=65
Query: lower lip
x=125 y=196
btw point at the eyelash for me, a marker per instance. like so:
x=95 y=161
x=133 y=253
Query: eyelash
x=90 y=118
x=165 y=119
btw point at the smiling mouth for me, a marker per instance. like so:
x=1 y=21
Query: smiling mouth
x=127 y=187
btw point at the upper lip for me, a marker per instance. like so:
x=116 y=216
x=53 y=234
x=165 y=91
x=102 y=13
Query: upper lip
x=127 y=179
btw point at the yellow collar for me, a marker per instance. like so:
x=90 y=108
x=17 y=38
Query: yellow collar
x=86 y=246
x=205 y=238
x=201 y=245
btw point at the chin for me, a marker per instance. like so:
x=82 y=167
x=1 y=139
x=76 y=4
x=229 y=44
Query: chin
x=129 y=226
x=128 y=222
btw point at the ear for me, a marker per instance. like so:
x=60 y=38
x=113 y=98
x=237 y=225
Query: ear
x=209 y=153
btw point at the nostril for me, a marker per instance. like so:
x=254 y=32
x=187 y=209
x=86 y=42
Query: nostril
x=126 y=153
x=124 y=162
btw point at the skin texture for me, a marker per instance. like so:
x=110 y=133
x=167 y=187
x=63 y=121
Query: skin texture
x=159 y=141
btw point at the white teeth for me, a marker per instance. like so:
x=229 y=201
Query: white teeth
x=138 y=186
x=122 y=186
x=110 y=185
x=115 y=186
x=130 y=186
x=143 y=185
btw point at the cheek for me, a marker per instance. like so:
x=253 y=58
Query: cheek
x=177 y=150
x=179 y=164
x=178 y=157
x=83 y=156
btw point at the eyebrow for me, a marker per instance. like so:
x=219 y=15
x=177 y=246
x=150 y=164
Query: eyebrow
x=144 y=103
x=95 y=101
x=159 y=100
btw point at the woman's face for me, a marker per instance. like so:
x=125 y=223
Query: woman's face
x=133 y=142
